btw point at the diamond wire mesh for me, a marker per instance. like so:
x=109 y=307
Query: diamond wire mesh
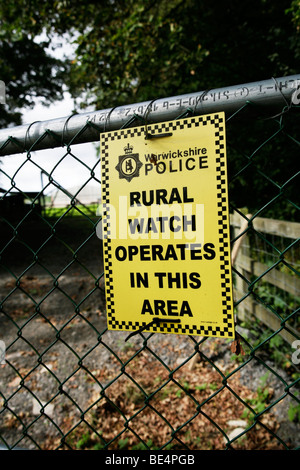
x=69 y=383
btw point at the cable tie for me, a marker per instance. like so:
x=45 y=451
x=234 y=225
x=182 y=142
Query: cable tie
x=153 y=322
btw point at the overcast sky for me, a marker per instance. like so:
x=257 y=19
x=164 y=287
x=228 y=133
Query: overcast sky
x=69 y=173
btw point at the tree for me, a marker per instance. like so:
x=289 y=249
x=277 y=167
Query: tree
x=141 y=49
x=135 y=50
x=129 y=51
x=28 y=73
x=27 y=69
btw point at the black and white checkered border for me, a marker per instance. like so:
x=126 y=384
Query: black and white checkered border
x=107 y=250
x=223 y=222
x=224 y=227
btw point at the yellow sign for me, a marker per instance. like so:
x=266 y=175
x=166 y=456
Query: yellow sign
x=166 y=228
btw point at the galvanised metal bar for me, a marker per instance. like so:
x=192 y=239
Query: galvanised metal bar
x=272 y=93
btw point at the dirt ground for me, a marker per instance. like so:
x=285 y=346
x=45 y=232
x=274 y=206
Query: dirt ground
x=60 y=359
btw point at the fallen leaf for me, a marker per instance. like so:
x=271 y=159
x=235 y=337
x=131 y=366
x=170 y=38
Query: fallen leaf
x=15 y=382
x=236 y=347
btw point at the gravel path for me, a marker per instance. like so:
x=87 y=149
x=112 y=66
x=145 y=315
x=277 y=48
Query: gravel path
x=59 y=354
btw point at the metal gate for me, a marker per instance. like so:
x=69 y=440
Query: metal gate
x=69 y=383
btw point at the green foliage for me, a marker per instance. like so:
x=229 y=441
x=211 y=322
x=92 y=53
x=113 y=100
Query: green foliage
x=260 y=401
x=26 y=66
x=149 y=445
x=84 y=441
x=294 y=412
x=213 y=386
x=135 y=395
x=185 y=388
x=135 y=50
x=295 y=11
x=201 y=387
x=123 y=443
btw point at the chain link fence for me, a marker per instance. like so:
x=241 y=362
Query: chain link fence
x=66 y=381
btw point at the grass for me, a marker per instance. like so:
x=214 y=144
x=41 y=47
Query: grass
x=91 y=210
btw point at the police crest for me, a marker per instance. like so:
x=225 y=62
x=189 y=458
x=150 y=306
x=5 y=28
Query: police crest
x=129 y=164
